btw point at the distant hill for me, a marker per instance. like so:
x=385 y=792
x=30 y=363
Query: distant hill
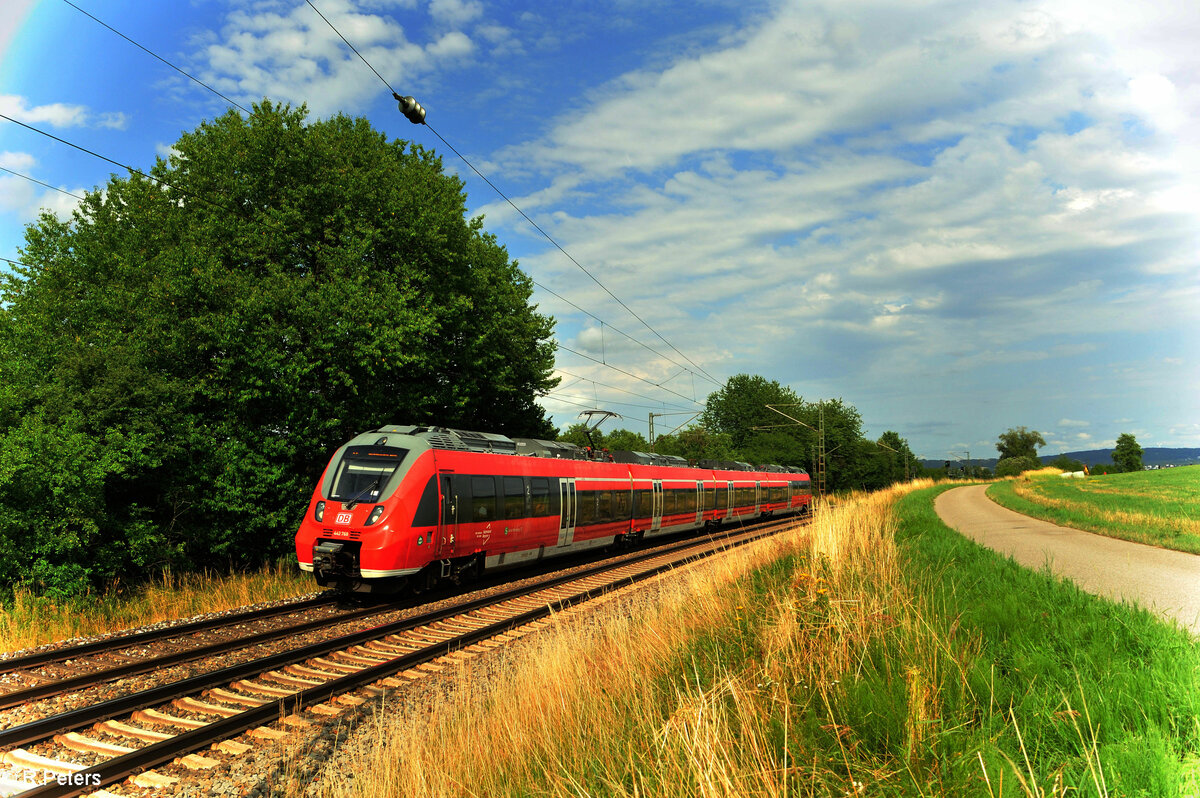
x=1151 y=456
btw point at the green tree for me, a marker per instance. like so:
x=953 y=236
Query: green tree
x=900 y=461
x=695 y=444
x=1013 y=466
x=1127 y=454
x=180 y=357
x=624 y=440
x=1064 y=463
x=741 y=405
x=1020 y=442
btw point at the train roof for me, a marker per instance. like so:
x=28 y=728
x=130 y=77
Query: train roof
x=468 y=441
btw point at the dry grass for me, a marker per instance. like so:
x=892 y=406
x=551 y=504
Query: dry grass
x=624 y=704
x=27 y=620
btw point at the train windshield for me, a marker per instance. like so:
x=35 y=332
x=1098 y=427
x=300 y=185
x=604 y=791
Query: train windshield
x=364 y=472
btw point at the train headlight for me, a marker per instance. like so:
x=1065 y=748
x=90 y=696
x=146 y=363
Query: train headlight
x=374 y=516
x=319 y=513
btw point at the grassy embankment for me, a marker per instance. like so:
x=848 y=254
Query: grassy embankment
x=879 y=653
x=1161 y=508
x=27 y=620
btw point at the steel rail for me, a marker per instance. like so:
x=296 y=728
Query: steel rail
x=20 y=697
x=121 y=767
x=37 y=692
x=44 y=728
x=124 y=641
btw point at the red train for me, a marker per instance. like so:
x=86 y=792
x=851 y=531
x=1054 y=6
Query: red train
x=407 y=506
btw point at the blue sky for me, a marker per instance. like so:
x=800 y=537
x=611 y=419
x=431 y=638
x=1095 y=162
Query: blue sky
x=958 y=217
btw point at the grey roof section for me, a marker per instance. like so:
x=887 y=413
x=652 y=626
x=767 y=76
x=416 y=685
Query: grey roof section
x=456 y=439
x=468 y=441
x=533 y=447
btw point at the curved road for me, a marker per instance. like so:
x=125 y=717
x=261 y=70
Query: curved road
x=1167 y=582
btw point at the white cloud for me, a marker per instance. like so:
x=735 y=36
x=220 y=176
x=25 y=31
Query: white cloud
x=56 y=114
x=455 y=12
x=453 y=45
x=294 y=56
x=60 y=114
x=17 y=161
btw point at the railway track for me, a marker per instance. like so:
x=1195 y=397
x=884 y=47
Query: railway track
x=105 y=743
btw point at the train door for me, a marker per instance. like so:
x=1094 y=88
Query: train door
x=568 y=512
x=657 y=504
x=448 y=529
x=729 y=504
x=758 y=502
x=699 y=503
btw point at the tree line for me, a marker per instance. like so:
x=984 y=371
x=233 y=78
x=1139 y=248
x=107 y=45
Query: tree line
x=739 y=424
x=1018 y=453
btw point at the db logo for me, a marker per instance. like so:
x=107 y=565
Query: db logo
x=343 y=518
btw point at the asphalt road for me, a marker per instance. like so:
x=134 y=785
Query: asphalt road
x=1166 y=582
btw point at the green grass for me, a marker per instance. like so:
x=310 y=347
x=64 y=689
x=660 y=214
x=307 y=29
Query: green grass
x=1046 y=651
x=989 y=679
x=1160 y=508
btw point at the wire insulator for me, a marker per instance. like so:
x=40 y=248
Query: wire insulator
x=413 y=111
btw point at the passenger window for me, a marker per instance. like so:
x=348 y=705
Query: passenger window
x=643 y=503
x=587 y=508
x=514 y=497
x=483 y=499
x=621 y=505
x=603 y=505
x=539 y=496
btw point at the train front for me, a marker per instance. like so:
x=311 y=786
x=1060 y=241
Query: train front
x=372 y=520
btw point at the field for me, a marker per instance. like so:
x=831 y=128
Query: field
x=1161 y=508
x=27 y=620
x=875 y=653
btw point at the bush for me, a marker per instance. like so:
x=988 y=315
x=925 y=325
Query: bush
x=1013 y=466
x=1064 y=463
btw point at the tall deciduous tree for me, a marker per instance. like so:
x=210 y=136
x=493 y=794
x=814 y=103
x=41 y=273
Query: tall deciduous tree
x=1127 y=454
x=1020 y=442
x=741 y=405
x=180 y=357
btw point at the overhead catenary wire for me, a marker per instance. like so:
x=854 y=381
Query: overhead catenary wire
x=558 y=396
x=41 y=183
x=612 y=387
x=514 y=206
x=147 y=50
x=619 y=331
x=17 y=262
x=569 y=256
x=132 y=169
x=658 y=385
